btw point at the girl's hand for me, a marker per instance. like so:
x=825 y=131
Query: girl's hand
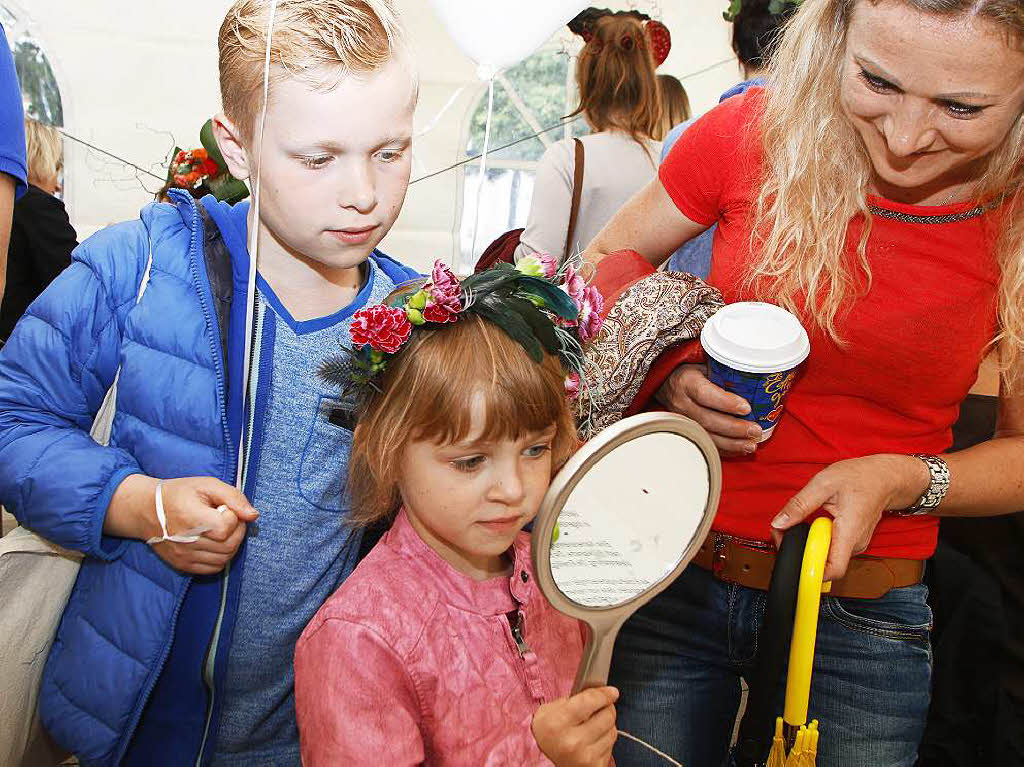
x=578 y=731
x=688 y=391
x=855 y=493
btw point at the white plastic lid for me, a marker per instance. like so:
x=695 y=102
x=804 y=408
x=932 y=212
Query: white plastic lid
x=756 y=338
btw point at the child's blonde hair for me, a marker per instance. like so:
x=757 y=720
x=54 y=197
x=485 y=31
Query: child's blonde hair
x=311 y=37
x=44 y=152
x=427 y=393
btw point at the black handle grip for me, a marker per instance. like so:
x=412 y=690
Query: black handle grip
x=758 y=725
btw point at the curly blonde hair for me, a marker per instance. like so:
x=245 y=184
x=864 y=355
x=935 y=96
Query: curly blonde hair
x=318 y=41
x=817 y=175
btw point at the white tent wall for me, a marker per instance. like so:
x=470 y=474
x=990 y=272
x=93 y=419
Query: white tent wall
x=136 y=78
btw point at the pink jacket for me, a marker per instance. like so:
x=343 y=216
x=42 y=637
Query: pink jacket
x=410 y=662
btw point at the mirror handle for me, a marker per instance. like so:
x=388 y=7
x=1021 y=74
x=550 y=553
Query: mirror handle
x=597 y=657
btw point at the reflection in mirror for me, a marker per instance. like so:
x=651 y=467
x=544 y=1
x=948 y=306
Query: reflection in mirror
x=628 y=521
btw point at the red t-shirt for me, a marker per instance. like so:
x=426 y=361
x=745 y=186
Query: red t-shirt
x=913 y=342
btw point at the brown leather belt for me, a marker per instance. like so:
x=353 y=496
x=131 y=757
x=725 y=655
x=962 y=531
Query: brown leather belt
x=750 y=563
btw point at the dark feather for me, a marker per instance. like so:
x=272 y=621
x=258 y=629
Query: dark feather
x=495 y=309
x=495 y=278
x=540 y=324
x=555 y=299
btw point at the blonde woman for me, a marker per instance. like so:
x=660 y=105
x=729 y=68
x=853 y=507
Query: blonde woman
x=873 y=187
x=619 y=100
x=42 y=237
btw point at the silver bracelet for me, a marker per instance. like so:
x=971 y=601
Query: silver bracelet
x=936 y=490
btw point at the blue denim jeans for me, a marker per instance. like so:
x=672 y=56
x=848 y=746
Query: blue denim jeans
x=679 y=659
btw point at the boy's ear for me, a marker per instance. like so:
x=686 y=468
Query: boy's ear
x=232 y=146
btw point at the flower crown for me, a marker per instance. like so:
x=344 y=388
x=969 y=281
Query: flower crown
x=536 y=303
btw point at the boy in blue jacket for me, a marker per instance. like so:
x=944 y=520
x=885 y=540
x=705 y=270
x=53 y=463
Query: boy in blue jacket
x=181 y=653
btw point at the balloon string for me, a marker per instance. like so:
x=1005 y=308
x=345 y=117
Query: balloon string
x=662 y=754
x=436 y=118
x=254 y=242
x=468 y=267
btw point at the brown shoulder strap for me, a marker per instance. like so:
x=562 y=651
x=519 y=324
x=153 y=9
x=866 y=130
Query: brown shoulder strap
x=577 y=190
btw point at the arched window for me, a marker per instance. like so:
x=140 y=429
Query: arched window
x=35 y=75
x=530 y=99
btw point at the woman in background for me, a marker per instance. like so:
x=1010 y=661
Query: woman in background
x=42 y=237
x=619 y=100
x=675 y=104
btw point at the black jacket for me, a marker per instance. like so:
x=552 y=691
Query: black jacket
x=42 y=239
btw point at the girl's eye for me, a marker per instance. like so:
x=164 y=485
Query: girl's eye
x=316 y=162
x=468 y=464
x=876 y=83
x=957 y=109
x=536 y=451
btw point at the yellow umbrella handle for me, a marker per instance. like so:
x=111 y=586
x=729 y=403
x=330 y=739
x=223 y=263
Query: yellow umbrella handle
x=805 y=625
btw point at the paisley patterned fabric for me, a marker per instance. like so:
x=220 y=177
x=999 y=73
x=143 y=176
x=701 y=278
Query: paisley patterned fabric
x=655 y=313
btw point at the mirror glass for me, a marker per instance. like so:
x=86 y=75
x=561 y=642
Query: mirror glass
x=628 y=521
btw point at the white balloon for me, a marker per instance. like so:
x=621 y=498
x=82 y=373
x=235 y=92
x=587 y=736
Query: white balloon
x=499 y=33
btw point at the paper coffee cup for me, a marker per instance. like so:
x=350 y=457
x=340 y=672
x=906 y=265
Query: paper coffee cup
x=753 y=350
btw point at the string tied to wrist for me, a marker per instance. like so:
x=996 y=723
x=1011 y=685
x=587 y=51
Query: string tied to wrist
x=188 y=536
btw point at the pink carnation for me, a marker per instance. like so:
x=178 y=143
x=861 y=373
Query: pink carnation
x=538 y=264
x=589 y=321
x=574 y=283
x=384 y=328
x=589 y=304
x=444 y=289
x=572 y=386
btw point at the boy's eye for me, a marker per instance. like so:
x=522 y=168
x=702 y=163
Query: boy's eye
x=876 y=83
x=468 y=464
x=318 y=161
x=389 y=155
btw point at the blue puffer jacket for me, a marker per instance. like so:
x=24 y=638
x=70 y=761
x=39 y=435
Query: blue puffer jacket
x=174 y=418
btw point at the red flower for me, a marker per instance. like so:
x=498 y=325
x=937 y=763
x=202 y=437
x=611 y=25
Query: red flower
x=384 y=328
x=209 y=167
x=439 y=313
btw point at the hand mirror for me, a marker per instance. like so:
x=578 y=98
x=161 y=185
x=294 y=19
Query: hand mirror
x=620 y=522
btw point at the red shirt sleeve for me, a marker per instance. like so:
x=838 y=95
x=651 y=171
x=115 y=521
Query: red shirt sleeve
x=710 y=156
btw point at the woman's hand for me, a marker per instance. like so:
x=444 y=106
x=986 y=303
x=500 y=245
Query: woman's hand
x=189 y=503
x=855 y=493
x=578 y=731
x=688 y=391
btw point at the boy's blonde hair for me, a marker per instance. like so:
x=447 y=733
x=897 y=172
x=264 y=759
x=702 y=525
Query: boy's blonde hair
x=427 y=393
x=44 y=152
x=311 y=38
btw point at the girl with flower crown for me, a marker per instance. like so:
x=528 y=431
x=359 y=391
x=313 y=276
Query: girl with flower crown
x=440 y=648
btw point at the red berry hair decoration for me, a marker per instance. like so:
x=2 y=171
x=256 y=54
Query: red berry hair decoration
x=658 y=37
